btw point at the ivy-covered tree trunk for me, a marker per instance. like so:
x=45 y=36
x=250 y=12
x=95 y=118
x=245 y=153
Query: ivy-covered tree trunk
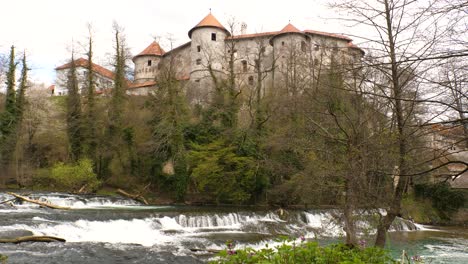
x=8 y=117
x=90 y=115
x=74 y=117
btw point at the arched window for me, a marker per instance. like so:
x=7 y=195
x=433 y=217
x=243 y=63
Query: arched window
x=303 y=46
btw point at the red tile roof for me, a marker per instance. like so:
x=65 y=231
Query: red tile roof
x=255 y=35
x=154 y=49
x=140 y=85
x=81 y=62
x=326 y=34
x=272 y=33
x=351 y=45
x=208 y=21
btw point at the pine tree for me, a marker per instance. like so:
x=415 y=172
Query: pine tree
x=74 y=118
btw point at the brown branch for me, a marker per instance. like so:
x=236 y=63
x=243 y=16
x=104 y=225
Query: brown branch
x=43 y=204
x=17 y=240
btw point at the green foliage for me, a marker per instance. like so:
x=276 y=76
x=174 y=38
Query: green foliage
x=69 y=177
x=3 y=259
x=444 y=199
x=218 y=169
x=305 y=252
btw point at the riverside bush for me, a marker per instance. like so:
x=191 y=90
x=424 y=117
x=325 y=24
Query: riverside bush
x=70 y=177
x=444 y=199
x=305 y=252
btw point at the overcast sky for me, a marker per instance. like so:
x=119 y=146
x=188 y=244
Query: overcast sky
x=46 y=28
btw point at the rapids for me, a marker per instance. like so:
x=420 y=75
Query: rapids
x=102 y=229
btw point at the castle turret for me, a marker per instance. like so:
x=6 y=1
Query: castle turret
x=146 y=63
x=207 y=46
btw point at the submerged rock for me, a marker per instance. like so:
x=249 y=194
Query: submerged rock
x=14 y=234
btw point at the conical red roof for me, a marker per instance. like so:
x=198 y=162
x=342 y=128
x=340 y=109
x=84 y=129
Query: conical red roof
x=152 y=50
x=208 y=21
x=290 y=28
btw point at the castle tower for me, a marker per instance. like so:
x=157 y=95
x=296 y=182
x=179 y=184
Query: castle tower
x=289 y=39
x=207 y=47
x=146 y=63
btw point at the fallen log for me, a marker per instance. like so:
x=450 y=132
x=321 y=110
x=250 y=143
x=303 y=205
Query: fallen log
x=136 y=197
x=214 y=251
x=17 y=240
x=44 y=204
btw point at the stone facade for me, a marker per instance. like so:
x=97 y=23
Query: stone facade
x=212 y=47
x=214 y=51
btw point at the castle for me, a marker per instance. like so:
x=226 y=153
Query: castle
x=214 y=50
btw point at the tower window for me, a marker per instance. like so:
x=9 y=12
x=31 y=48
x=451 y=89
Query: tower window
x=198 y=61
x=282 y=43
x=251 y=80
x=213 y=36
x=303 y=46
x=198 y=48
x=244 y=66
x=149 y=62
x=316 y=47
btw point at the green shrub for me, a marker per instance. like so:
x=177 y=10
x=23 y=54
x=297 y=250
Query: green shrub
x=444 y=199
x=69 y=177
x=305 y=252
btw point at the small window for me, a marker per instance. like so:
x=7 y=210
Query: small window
x=303 y=46
x=244 y=66
x=316 y=47
x=149 y=62
x=251 y=80
x=197 y=80
x=213 y=36
x=198 y=61
x=282 y=43
x=198 y=48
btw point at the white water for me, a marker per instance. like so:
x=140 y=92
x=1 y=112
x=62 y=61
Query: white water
x=170 y=229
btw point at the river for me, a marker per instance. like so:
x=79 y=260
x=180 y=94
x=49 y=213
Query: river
x=113 y=230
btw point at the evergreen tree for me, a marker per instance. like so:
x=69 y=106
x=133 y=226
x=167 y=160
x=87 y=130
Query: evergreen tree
x=10 y=106
x=117 y=159
x=7 y=118
x=90 y=115
x=118 y=94
x=21 y=100
x=74 y=118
